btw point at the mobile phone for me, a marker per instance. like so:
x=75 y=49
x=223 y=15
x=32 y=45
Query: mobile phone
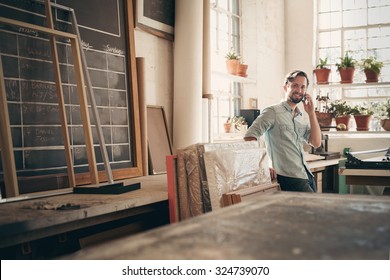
x=304 y=97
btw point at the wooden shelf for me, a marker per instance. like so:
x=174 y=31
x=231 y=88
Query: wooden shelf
x=353 y=85
x=234 y=78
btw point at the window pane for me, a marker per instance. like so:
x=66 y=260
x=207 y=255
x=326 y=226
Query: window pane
x=235 y=26
x=234 y=7
x=329 y=5
x=375 y=3
x=378 y=15
x=353 y=4
x=329 y=20
x=354 y=18
x=223 y=4
x=329 y=39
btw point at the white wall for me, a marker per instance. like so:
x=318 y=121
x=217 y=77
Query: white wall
x=299 y=33
x=158 y=55
x=263 y=50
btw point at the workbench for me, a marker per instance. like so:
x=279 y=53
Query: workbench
x=325 y=173
x=280 y=225
x=374 y=180
x=27 y=225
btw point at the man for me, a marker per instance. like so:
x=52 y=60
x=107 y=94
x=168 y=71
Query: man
x=285 y=130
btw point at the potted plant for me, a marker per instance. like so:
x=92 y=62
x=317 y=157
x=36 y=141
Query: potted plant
x=322 y=72
x=372 y=69
x=323 y=115
x=362 y=117
x=239 y=123
x=341 y=111
x=241 y=69
x=232 y=62
x=227 y=126
x=346 y=68
x=384 y=110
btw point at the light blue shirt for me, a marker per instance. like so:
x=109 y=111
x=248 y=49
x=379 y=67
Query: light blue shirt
x=284 y=131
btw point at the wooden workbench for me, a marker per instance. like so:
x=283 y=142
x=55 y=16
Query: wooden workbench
x=325 y=173
x=29 y=220
x=282 y=225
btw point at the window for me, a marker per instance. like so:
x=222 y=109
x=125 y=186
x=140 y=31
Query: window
x=225 y=24
x=361 y=27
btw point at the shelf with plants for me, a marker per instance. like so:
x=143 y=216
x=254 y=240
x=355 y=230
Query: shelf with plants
x=346 y=68
x=235 y=78
x=353 y=85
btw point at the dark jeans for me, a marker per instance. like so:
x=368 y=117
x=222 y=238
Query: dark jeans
x=296 y=184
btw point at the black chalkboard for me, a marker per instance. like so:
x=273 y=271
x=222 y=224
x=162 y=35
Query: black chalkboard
x=156 y=17
x=32 y=93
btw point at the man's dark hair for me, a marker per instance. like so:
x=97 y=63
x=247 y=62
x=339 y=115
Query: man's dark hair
x=292 y=75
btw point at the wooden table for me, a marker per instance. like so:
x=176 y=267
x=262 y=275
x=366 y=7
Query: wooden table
x=374 y=177
x=25 y=221
x=284 y=225
x=325 y=173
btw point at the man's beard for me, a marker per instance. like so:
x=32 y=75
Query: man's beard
x=296 y=101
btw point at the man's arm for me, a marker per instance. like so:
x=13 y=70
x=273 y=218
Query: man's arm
x=315 y=130
x=250 y=138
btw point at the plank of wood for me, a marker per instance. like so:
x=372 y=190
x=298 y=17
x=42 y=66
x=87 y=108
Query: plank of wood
x=84 y=112
x=61 y=101
x=7 y=151
x=237 y=196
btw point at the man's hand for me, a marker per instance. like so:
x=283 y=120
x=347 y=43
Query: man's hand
x=272 y=172
x=308 y=104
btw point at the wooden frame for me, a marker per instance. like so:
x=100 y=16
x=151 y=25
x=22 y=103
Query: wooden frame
x=163 y=28
x=159 y=145
x=253 y=103
x=94 y=176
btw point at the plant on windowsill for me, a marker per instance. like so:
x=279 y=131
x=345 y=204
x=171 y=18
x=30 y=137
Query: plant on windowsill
x=362 y=117
x=239 y=123
x=242 y=69
x=346 y=68
x=227 y=126
x=232 y=62
x=323 y=115
x=384 y=114
x=341 y=111
x=372 y=69
x=322 y=72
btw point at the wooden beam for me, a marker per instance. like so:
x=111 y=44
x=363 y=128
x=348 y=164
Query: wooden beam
x=37 y=28
x=6 y=146
x=84 y=111
x=61 y=101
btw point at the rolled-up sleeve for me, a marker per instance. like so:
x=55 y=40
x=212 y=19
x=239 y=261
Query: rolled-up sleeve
x=262 y=123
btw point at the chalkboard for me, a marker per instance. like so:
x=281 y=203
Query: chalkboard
x=106 y=31
x=156 y=17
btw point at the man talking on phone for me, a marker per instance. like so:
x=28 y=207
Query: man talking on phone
x=285 y=130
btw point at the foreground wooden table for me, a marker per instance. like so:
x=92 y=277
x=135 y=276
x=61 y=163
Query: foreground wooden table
x=282 y=225
x=29 y=220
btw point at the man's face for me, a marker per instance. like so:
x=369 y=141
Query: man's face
x=296 y=89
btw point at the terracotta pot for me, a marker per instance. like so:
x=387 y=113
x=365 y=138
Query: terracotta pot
x=241 y=70
x=343 y=120
x=371 y=76
x=324 y=119
x=385 y=123
x=232 y=66
x=227 y=127
x=322 y=75
x=362 y=122
x=346 y=75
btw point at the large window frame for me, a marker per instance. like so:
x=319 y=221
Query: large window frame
x=225 y=34
x=360 y=28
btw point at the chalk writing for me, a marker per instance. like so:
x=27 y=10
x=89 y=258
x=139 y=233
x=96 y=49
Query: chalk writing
x=28 y=31
x=113 y=50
